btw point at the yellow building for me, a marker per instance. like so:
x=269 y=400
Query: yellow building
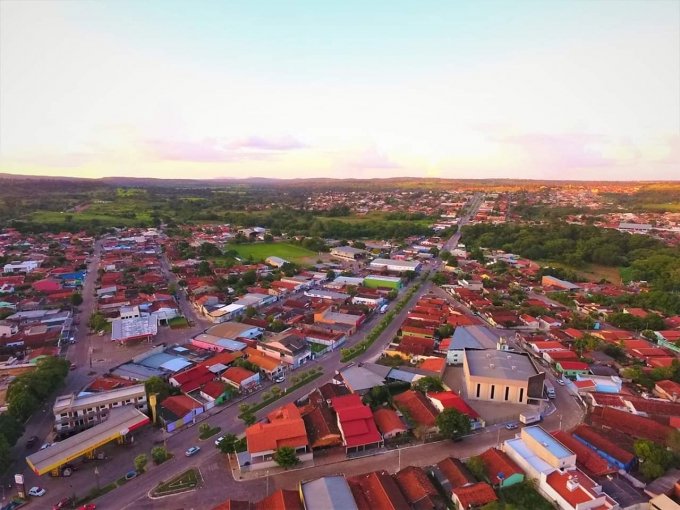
x=502 y=376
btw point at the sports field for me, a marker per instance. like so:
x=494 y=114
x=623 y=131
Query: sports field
x=260 y=251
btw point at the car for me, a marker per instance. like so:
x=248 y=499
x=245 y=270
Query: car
x=73 y=366
x=560 y=382
x=31 y=441
x=218 y=440
x=512 y=425
x=278 y=379
x=192 y=451
x=89 y=506
x=46 y=445
x=67 y=502
x=36 y=491
x=130 y=475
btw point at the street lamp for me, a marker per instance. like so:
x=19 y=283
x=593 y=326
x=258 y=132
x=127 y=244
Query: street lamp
x=96 y=474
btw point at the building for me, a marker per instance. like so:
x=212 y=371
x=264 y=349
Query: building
x=78 y=412
x=348 y=253
x=327 y=493
x=382 y=282
x=551 y=281
x=451 y=400
x=234 y=330
x=572 y=368
x=502 y=376
x=138 y=328
x=469 y=337
x=276 y=261
x=419 y=491
x=377 y=490
x=356 y=424
x=609 y=451
x=289 y=347
x=21 y=267
x=285 y=427
x=473 y=496
x=419 y=410
x=241 y=378
x=500 y=469
x=389 y=423
x=225 y=313
x=395 y=266
x=670 y=390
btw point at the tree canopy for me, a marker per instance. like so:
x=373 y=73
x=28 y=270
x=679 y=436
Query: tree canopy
x=453 y=424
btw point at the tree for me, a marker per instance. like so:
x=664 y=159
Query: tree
x=11 y=428
x=21 y=402
x=159 y=454
x=228 y=443
x=439 y=279
x=97 y=321
x=427 y=384
x=330 y=275
x=286 y=457
x=673 y=441
x=204 y=428
x=655 y=459
x=476 y=467
x=392 y=294
x=452 y=423
x=203 y=268
x=140 y=462
x=158 y=385
x=76 y=299
x=5 y=457
x=248 y=418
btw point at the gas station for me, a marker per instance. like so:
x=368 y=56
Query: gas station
x=120 y=423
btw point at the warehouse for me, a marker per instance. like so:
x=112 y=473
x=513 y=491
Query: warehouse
x=396 y=266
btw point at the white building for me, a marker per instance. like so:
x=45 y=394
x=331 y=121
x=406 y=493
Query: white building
x=21 y=267
x=397 y=266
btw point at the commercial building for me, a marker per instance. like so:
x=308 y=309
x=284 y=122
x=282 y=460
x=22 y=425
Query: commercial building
x=348 y=253
x=137 y=328
x=469 y=337
x=395 y=266
x=382 y=282
x=502 y=376
x=77 y=412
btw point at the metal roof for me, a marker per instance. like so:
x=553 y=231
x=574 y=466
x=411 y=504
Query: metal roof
x=499 y=365
x=329 y=493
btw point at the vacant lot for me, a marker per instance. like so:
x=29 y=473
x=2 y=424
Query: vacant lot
x=261 y=251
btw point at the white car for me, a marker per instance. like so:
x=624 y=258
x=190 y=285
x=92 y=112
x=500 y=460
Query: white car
x=560 y=382
x=218 y=440
x=37 y=491
x=192 y=451
x=46 y=445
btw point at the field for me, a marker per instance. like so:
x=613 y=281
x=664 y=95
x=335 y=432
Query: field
x=591 y=272
x=261 y=251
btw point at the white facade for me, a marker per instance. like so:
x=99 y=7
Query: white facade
x=21 y=267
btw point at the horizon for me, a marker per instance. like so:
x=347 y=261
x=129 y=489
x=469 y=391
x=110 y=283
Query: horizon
x=526 y=90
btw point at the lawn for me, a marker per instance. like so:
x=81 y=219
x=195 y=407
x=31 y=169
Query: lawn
x=184 y=482
x=260 y=251
x=590 y=272
x=178 y=323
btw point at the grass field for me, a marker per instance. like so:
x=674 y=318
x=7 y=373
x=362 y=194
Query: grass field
x=88 y=216
x=591 y=272
x=261 y=251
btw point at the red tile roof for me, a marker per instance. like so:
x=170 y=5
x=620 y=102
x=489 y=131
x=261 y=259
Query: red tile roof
x=583 y=493
x=455 y=472
x=232 y=504
x=285 y=428
x=377 y=491
x=180 y=405
x=237 y=374
x=433 y=365
x=634 y=425
x=388 y=421
x=478 y=494
x=574 y=365
x=586 y=458
x=282 y=499
x=591 y=436
x=214 y=388
x=417 y=487
x=451 y=400
x=355 y=420
x=495 y=462
x=419 y=408
x=194 y=378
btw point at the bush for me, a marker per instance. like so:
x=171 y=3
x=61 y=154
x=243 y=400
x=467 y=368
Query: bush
x=159 y=454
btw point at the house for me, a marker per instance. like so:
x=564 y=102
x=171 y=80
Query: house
x=328 y=493
x=474 y=495
x=420 y=492
x=285 y=427
x=322 y=427
x=670 y=390
x=377 y=490
x=419 y=410
x=289 y=347
x=356 y=424
x=360 y=379
x=21 y=267
x=241 y=378
x=225 y=313
x=180 y=407
x=452 y=473
x=612 y=453
x=389 y=423
x=500 y=469
x=572 y=368
x=192 y=379
x=268 y=365
x=281 y=499
x=451 y=400
x=586 y=459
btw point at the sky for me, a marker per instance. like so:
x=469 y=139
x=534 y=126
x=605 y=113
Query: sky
x=577 y=89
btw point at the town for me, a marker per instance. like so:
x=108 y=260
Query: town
x=376 y=347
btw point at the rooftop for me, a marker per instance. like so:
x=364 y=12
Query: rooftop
x=548 y=442
x=328 y=493
x=473 y=337
x=499 y=364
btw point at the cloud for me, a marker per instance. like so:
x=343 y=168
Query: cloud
x=210 y=150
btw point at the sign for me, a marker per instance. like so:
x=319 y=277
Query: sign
x=19 y=479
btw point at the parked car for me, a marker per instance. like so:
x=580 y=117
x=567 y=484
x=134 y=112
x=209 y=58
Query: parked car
x=560 y=382
x=89 y=506
x=46 y=445
x=130 y=475
x=73 y=366
x=36 y=491
x=512 y=425
x=32 y=441
x=278 y=378
x=218 y=440
x=192 y=451
x=67 y=502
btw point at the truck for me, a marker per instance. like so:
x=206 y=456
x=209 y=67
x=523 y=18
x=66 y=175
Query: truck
x=529 y=417
x=383 y=309
x=549 y=389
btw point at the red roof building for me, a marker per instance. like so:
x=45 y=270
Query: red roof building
x=451 y=400
x=419 y=491
x=418 y=407
x=282 y=499
x=388 y=422
x=475 y=495
x=285 y=428
x=356 y=423
x=455 y=473
x=586 y=458
x=179 y=406
x=377 y=491
x=500 y=469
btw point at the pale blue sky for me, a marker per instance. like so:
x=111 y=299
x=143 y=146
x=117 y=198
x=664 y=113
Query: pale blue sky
x=554 y=89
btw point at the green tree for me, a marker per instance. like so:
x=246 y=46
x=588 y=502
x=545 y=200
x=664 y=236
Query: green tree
x=452 y=423
x=439 y=279
x=248 y=418
x=140 y=462
x=11 y=428
x=159 y=386
x=228 y=443
x=477 y=468
x=76 y=299
x=427 y=384
x=204 y=428
x=655 y=459
x=159 y=454
x=286 y=457
x=97 y=321
x=21 y=402
x=5 y=457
